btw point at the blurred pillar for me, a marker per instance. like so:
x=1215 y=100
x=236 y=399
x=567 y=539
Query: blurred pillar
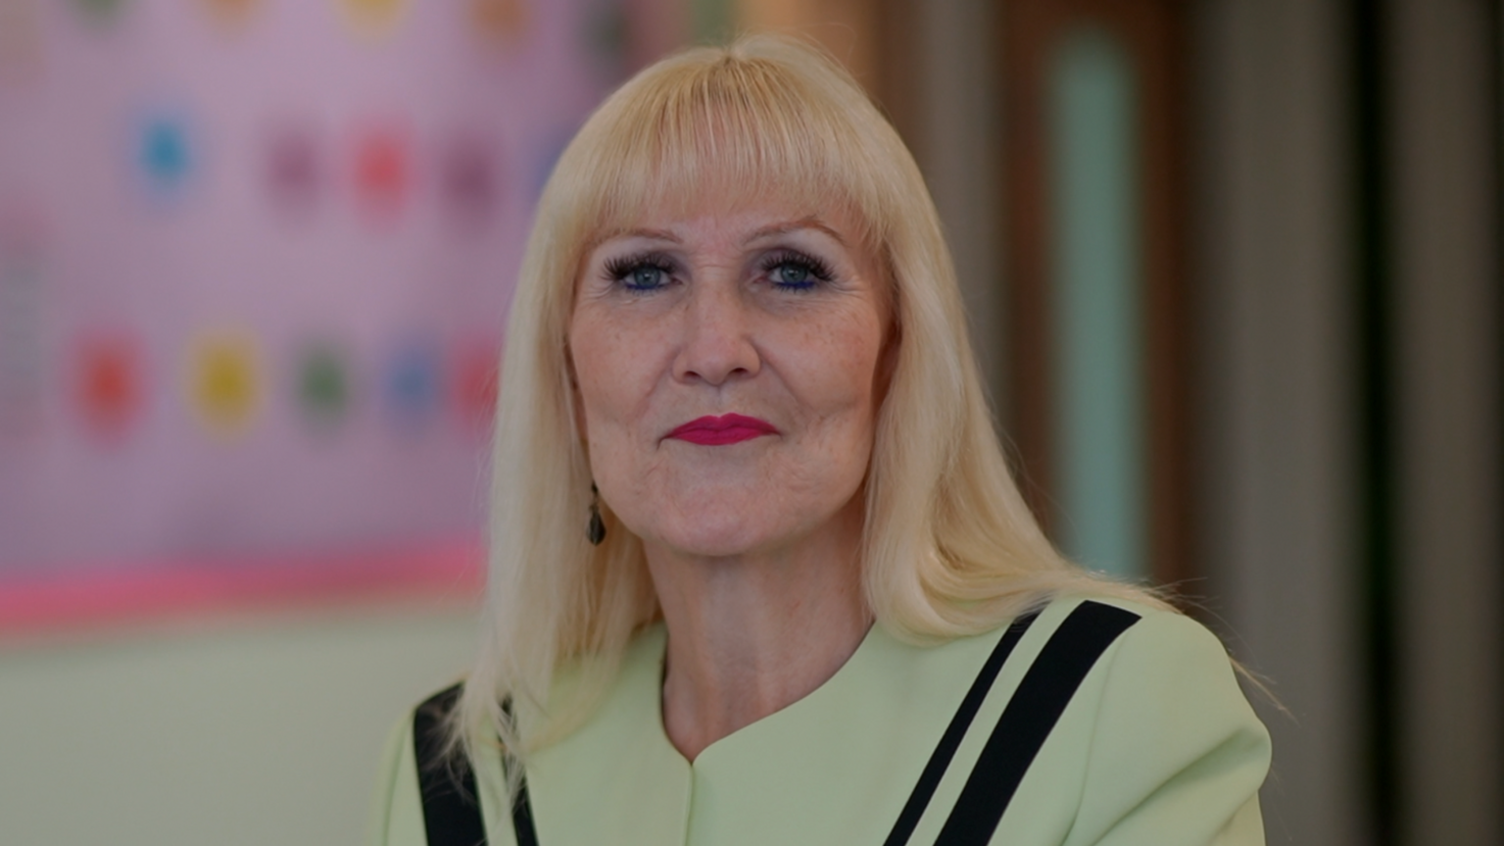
x=847 y=28
x=1277 y=375
x=939 y=82
x=1444 y=230
x=656 y=28
x=1094 y=98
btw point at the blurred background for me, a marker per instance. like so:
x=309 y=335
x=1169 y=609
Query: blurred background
x=1233 y=274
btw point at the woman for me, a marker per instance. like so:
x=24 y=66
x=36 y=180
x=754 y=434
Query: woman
x=758 y=571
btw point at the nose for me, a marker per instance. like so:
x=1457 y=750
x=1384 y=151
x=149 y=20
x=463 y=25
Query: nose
x=717 y=342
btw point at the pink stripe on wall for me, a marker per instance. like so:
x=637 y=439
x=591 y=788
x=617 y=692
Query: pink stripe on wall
x=135 y=592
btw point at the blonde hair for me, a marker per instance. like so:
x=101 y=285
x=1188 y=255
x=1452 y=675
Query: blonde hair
x=950 y=548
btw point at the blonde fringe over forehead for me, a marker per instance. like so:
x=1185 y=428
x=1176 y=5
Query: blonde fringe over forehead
x=764 y=119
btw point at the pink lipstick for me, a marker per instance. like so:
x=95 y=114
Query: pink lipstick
x=726 y=429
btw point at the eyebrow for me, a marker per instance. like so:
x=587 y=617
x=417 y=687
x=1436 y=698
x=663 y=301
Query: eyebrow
x=612 y=234
x=772 y=231
x=810 y=222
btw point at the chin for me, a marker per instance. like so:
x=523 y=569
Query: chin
x=714 y=539
x=727 y=520
x=723 y=533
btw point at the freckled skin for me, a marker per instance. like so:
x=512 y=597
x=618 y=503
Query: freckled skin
x=717 y=336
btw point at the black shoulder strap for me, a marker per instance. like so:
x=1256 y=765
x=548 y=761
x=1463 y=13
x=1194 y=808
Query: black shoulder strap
x=522 y=803
x=929 y=779
x=1021 y=730
x=1029 y=717
x=451 y=805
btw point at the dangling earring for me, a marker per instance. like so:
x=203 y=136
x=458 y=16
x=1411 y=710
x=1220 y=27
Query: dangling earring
x=596 y=531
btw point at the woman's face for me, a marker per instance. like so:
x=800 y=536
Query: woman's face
x=726 y=364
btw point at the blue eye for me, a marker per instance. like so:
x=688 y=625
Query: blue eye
x=640 y=274
x=644 y=276
x=789 y=273
x=793 y=271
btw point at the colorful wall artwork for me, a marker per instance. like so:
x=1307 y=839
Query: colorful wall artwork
x=255 y=260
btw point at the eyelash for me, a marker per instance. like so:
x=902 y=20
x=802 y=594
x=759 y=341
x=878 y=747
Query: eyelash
x=621 y=269
x=819 y=273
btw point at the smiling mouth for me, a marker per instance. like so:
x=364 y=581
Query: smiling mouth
x=726 y=429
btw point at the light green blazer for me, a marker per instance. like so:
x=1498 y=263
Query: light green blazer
x=1157 y=747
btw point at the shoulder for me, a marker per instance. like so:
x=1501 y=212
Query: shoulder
x=396 y=812
x=420 y=790
x=413 y=785
x=1123 y=641
x=1158 y=733
x=1141 y=670
x=1132 y=644
x=1146 y=653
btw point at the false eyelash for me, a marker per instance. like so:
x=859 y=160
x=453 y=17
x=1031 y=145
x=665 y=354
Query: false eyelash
x=817 y=268
x=618 y=268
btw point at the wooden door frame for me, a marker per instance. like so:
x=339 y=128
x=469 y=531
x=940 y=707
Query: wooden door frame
x=1153 y=31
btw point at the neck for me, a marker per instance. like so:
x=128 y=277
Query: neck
x=750 y=635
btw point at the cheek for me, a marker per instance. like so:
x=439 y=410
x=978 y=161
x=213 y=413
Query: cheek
x=590 y=346
x=614 y=370
x=833 y=366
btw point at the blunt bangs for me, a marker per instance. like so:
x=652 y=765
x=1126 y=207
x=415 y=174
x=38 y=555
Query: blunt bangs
x=712 y=124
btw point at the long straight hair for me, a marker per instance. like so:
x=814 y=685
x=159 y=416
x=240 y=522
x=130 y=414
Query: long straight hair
x=949 y=547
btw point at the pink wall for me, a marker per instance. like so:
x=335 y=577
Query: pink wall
x=255 y=259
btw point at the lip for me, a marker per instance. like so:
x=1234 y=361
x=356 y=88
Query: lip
x=726 y=429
